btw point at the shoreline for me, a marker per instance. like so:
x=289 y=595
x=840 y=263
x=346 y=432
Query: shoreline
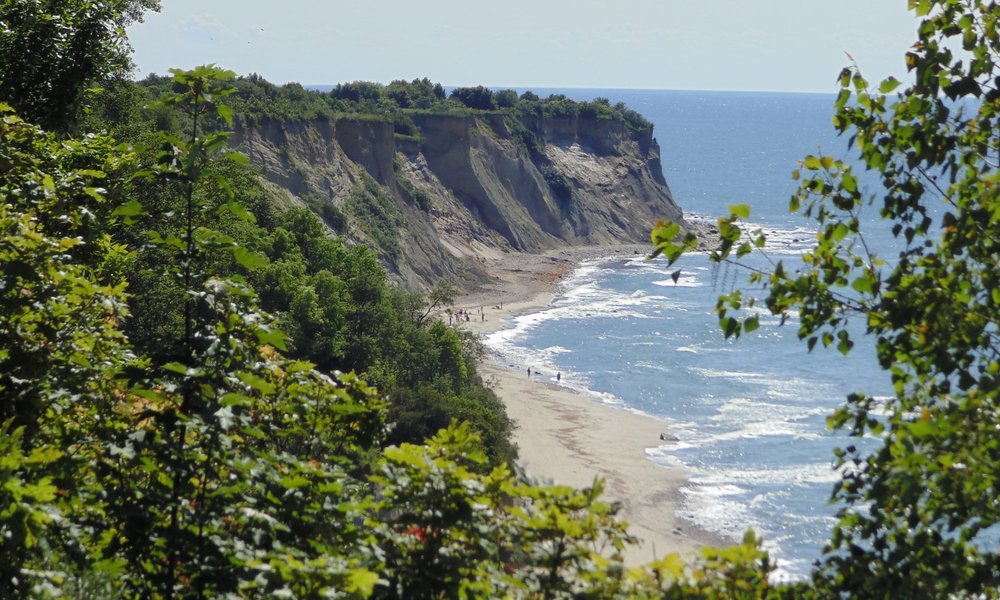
x=569 y=438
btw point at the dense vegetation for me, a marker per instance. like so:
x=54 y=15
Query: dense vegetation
x=256 y=99
x=181 y=413
x=920 y=512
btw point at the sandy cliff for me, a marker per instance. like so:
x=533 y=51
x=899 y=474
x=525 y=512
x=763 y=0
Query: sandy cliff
x=468 y=188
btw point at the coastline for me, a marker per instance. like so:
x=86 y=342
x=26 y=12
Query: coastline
x=566 y=437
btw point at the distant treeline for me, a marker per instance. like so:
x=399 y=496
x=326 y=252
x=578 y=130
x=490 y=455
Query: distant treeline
x=257 y=99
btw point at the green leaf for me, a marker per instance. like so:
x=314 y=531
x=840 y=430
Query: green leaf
x=176 y=367
x=739 y=211
x=849 y=182
x=888 y=85
x=258 y=383
x=273 y=337
x=237 y=157
x=248 y=259
x=225 y=112
x=921 y=428
x=730 y=326
x=362 y=582
x=845 y=344
x=129 y=210
x=240 y=212
x=294 y=482
x=96 y=193
x=665 y=232
x=863 y=284
x=234 y=399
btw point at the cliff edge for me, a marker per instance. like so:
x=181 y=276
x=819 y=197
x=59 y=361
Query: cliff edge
x=468 y=187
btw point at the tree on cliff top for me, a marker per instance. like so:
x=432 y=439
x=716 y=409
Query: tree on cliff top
x=920 y=512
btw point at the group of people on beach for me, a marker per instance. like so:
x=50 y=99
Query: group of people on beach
x=462 y=312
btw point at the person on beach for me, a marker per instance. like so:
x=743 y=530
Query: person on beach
x=558 y=376
x=529 y=372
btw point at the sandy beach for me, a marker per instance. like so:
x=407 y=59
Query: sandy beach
x=567 y=437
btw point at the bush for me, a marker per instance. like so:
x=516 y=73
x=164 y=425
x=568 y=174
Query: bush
x=333 y=216
x=377 y=216
x=478 y=98
x=558 y=183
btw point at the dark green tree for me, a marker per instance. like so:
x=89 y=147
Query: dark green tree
x=52 y=51
x=479 y=97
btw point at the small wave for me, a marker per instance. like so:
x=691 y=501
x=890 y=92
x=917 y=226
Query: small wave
x=811 y=473
x=775 y=429
x=682 y=281
x=716 y=509
x=726 y=374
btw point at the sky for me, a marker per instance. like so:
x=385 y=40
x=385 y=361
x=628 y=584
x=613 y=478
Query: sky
x=750 y=45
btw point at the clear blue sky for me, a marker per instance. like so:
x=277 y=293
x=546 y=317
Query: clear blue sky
x=776 y=45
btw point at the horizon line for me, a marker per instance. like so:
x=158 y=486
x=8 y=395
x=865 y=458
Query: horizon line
x=592 y=88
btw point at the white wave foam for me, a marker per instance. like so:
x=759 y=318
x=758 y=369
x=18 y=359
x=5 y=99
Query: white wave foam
x=716 y=509
x=799 y=474
x=682 y=281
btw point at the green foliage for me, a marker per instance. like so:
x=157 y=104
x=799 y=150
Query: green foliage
x=450 y=529
x=505 y=98
x=443 y=294
x=54 y=51
x=256 y=100
x=418 y=195
x=26 y=493
x=235 y=452
x=558 y=106
x=525 y=137
x=51 y=204
x=221 y=468
x=634 y=119
x=918 y=509
x=58 y=343
x=377 y=216
x=192 y=458
x=333 y=216
x=558 y=183
x=599 y=108
x=933 y=310
x=477 y=98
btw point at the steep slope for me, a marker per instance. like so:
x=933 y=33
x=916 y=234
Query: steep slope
x=468 y=187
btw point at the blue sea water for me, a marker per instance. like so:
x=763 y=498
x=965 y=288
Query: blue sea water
x=750 y=414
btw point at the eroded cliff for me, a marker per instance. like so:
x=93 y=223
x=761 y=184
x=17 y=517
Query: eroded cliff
x=468 y=187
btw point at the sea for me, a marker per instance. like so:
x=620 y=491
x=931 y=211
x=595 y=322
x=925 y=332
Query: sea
x=749 y=415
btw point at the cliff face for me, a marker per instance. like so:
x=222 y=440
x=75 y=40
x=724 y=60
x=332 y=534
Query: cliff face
x=467 y=188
